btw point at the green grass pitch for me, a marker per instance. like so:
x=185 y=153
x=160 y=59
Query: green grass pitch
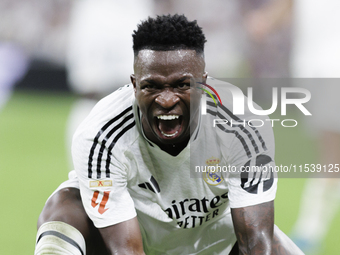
x=33 y=162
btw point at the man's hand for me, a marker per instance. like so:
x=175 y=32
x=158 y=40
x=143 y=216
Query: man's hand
x=254 y=228
x=123 y=238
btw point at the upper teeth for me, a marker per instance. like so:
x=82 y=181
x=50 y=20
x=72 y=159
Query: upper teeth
x=167 y=117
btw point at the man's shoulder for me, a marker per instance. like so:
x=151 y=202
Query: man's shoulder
x=111 y=118
x=235 y=124
x=120 y=98
x=225 y=97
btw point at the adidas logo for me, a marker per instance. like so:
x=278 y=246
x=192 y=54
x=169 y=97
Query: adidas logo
x=154 y=187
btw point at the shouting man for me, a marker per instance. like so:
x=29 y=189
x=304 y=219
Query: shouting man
x=134 y=189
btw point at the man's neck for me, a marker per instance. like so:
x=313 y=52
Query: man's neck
x=173 y=149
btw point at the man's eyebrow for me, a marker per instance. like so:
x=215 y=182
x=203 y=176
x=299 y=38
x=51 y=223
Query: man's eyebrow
x=151 y=81
x=154 y=82
x=184 y=78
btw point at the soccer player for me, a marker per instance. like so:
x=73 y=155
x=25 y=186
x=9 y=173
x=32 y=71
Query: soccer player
x=133 y=190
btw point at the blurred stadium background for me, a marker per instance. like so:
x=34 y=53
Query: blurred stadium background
x=34 y=156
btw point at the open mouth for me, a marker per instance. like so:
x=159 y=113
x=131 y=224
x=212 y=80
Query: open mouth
x=169 y=125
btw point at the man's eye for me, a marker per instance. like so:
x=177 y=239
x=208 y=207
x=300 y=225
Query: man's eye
x=184 y=85
x=149 y=86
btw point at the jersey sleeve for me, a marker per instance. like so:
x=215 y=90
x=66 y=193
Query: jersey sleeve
x=254 y=181
x=251 y=155
x=102 y=173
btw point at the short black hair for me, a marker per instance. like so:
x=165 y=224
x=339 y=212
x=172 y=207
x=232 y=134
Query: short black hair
x=168 y=32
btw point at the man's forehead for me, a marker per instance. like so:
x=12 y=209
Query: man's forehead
x=148 y=58
x=148 y=55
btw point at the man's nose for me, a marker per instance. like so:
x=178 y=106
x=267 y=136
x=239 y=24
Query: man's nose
x=167 y=99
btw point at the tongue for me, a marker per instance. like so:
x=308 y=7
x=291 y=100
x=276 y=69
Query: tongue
x=169 y=126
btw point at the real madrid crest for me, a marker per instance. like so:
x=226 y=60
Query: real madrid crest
x=211 y=174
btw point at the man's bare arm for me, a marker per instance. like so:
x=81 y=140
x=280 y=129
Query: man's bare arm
x=254 y=228
x=123 y=238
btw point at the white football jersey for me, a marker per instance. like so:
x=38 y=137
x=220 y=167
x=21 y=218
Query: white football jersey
x=182 y=207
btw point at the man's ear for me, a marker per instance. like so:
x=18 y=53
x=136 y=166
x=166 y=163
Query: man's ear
x=205 y=76
x=133 y=81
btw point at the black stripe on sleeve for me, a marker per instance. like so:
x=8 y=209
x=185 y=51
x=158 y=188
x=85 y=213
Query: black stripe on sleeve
x=237 y=134
x=61 y=236
x=103 y=143
x=243 y=129
x=226 y=110
x=96 y=139
x=113 y=143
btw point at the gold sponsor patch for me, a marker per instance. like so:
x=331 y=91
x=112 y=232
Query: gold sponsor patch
x=102 y=183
